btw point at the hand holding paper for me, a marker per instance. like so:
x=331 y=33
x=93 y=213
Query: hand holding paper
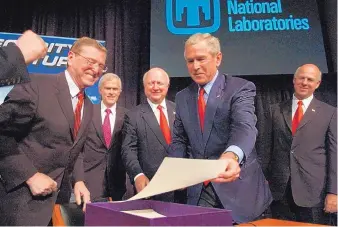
x=178 y=173
x=231 y=171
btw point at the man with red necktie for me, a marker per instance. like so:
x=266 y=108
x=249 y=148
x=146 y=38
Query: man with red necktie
x=302 y=172
x=147 y=132
x=46 y=122
x=215 y=119
x=105 y=175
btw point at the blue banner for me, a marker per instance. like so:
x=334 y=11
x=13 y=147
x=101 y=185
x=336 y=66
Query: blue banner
x=54 y=62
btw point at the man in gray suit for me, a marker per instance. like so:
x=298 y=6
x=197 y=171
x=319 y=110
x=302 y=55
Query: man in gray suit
x=14 y=57
x=302 y=172
x=45 y=123
x=215 y=117
x=147 y=132
x=105 y=176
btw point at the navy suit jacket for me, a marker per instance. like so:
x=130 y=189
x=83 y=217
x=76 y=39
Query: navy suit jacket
x=229 y=120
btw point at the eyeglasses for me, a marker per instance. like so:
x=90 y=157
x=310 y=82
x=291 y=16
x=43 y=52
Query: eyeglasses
x=91 y=63
x=159 y=84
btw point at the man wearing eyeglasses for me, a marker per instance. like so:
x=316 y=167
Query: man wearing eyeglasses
x=44 y=126
x=147 y=132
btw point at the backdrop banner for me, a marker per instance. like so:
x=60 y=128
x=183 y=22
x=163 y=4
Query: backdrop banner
x=54 y=62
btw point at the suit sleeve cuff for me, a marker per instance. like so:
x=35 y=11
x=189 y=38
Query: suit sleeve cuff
x=238 y=151
x=138 y=176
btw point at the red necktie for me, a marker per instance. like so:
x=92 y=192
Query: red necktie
x=201 y=107
x=297 y=117
x=107 y=128
x=201 y=113
x=77 y=114
x=164 y=125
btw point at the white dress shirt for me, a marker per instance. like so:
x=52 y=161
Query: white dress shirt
x=306 y=103
x=112 y=115
x=157 y=111
x=74 y=90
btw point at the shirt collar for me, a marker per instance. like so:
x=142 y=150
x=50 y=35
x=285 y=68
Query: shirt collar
x=306 y=102
x=208 y=86
x=73 y=88
x=104 y=107
x=154 y=106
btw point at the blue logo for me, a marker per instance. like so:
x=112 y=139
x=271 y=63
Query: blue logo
x=193 y=20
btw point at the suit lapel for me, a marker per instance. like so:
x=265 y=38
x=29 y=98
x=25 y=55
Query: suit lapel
x=171 y=114
x=97 y=121
x=214 y=100
x=118 y=123
x=193 y=113
x=287 y=113
x=150 y=119
x=64 y=99
x=309 y=114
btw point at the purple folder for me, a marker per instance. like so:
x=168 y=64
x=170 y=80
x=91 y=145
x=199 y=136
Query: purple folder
x=109 y=214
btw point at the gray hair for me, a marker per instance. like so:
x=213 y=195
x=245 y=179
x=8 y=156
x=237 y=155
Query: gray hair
x=157 y=69
x=110 y=77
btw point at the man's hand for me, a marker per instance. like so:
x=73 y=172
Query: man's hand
x=232 y=169
x=41 y=184
x=32 y=46
x=141 y=182
x=330 y=203
x=81 y=194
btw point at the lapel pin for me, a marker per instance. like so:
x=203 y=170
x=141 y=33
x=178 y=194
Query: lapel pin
x=313 y=110
x=174 y=112
x=218 y=96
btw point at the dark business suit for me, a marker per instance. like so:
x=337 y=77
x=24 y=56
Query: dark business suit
x=229 y=120
x=13 y=69
x=309 y=157
x=144 y=146
x=39 y=117
x=105 y=175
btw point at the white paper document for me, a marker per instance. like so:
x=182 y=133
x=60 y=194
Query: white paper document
x=178 y=173
x=146 y=213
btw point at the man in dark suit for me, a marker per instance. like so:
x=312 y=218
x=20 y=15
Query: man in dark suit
x=215 y=116
x=146 y=132
x=45 y=122
x=14 y=57
x=302 y=173
x=105 y=175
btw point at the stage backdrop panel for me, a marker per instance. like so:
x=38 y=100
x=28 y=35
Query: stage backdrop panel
x=54 y=62
x=258 y=37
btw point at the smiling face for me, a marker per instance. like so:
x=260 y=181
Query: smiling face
x=110 y=91
x=84 y=66
x=306 y=80
x=156 y=84
x=201 y=63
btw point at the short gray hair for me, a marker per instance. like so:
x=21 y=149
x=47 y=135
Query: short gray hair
x=157 y=69
x=110 y=77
